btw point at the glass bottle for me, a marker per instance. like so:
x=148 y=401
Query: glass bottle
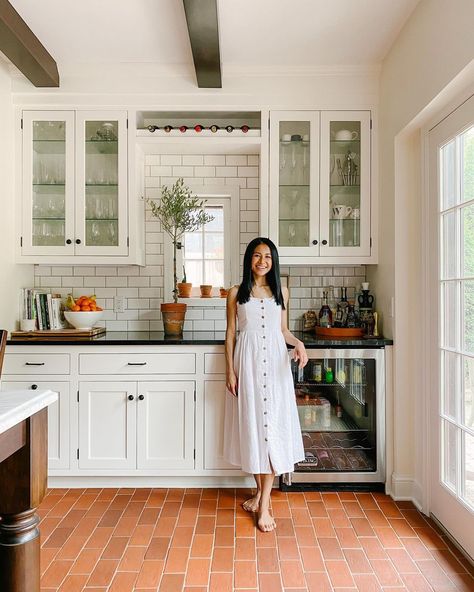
x=329 y=375
x=325 y=314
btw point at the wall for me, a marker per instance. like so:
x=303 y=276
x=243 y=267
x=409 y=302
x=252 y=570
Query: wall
x=13 y=276
x=433 y=48
x=142 y=287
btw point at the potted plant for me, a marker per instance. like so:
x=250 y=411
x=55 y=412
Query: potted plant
x=178 y=211
x=184 y=287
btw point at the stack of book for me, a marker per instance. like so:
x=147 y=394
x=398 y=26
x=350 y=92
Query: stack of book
x=46 y=308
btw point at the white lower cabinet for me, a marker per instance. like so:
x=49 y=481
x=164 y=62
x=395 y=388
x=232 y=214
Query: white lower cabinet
x=214 y=403
x=136 y=425
x=58 y=418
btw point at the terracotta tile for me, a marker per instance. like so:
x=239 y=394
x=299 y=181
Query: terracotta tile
x=175 y=494
x=313 y=496
x=208 y=507
x=339 y=573
x=58 y=538
x=108 y=494
x=390 y=509
x=266 y=539
x=292 y=574
x=191 y=500
x=86 y=561
x=372 y=547
x=416 y=583
x=115 y=548
x=170 y=509
x=135 y=509
x=330 y=548
x=347 y=538
x=339 y=517
x=267 y=560
x=202 y=545
x=141 y=494
x=72 y=518
x=415 y=548
x=367 y=583
x=346 y=495
x=157 y=548
x=353 y=509
x=56 y=573
x=123 y=582
x=312 y=559
x=165 y=526
x=464 y=582
x=318 y=582
x=269 y=582
x=98 y=508
x=205 y=525
x=149 y=516
x=150 y=573
x=245 y=574
x=125 y=526
x=301 y=517
x=176 y=561
x=73 y=584
x=61 y=508
x=401 y=527
x=388 y=538
x=287 y=548
x=317 y=509
x=222 y=559
x=197 y=573
x=48 y=525
x=447 y=560
x=103 y=573
x=281 y=509
x=385 y=572
x=182 y=537
x=132 y=559
x=120 y=502
x=187 y=517
x=172 y=583
x=362 y=527
x=225 y=517
x=376 y=518
x=323 y=527
x=434 y=574
x=402 y=561
x=305 y=536
x=296 y=500
x=142 y=535
x=110 y=518
x=245 y=549
x=46 y=557
x=414 y=518
x=220 y=582
x=430 y=539
x=72 y=547
x=357 y=561
x=224 y=536
x=331 y=500
x=99 y=538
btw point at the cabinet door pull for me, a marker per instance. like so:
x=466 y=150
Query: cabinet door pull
x=34 y=363
x=315 y=242
x=68 y=241
x=130 y=397
x=136 y=364
x=141 y=397
x=78 y=241
x=325 y=242
x=34 y=387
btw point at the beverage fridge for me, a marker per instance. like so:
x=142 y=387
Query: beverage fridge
x=340 y=396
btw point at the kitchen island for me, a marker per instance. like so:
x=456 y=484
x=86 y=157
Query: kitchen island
x=23 y=475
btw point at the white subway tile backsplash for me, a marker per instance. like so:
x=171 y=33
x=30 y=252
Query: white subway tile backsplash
x=116 y=282
x=248 y=172
x=205 y=171
x=152 y=159
x=128 y=270
x=41 y=270
x=253 y=159
x=140 y=282
x=127 y=292
x=193 y=160
x=161 y=171
x=214 y=313
x=236 y=160
x=203 y=325
x=183 y=171
x=226 y=171
x=95 y=282
x=171 y=159
x=214 y=160
x=73 y=282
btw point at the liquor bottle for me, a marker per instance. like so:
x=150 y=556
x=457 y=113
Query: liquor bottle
x=214 y=128
x=183 y=128
x=152 y=128
x=168 y=128
x=198 y=128
x=325 y=314
x=351 y=319
x=339 y=317
x=245 y=128
x=229 y=128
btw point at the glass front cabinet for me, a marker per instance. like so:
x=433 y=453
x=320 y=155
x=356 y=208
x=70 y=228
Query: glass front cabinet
x=74 y=184
x=320 y=184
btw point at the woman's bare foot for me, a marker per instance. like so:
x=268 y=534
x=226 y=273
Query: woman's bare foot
x=266 y=523
x=251 y=505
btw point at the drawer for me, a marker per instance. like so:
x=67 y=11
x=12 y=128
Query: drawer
x=137 y=364
x=214 y=363
x=34 y=364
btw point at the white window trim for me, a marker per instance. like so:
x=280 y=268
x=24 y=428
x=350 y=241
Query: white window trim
x=218 y=193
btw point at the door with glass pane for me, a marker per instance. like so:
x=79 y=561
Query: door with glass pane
x=101 y=183
x=451 y=162
x=345 y=183
x=48 y=183
x=294 y=182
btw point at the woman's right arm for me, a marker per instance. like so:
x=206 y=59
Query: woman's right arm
x=231 y=378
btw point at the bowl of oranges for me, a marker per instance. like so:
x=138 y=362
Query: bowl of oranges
x=82 y=312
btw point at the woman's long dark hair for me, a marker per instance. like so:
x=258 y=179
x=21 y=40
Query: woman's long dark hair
x=273 y=276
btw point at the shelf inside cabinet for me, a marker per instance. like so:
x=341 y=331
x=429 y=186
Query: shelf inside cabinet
x=101 y=146
x=293 y=185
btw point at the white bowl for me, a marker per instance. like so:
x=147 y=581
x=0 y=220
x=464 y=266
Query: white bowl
x=83 y=319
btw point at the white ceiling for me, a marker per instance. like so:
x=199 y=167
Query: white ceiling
x=254 y=34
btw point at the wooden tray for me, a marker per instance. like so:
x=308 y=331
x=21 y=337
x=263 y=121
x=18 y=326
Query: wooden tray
x=338 y=332
x=55 y=333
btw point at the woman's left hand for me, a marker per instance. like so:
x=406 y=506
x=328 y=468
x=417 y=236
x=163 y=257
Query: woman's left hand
x=300 y=355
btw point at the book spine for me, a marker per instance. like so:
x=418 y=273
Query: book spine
x=44 y=311
x=38 y=312
x=49 y=308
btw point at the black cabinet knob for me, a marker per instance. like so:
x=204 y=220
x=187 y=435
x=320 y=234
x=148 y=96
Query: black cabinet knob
x=315 y=242
x=34 y=387
x=68 y=241
x=130 y=397
x=78 y=241
x=325 y=242
x=141 y=397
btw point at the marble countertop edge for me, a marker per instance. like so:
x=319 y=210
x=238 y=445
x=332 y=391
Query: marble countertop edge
x=16 y=406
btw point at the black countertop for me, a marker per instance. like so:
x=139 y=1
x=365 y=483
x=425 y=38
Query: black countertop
x=191 y=338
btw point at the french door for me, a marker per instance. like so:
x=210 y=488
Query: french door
x=451 y=194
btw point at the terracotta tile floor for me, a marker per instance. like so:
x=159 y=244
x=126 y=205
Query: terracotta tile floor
x=123 y=540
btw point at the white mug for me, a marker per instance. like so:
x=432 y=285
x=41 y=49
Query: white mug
x=346 y=135
x=341 y=212
x=286 y=138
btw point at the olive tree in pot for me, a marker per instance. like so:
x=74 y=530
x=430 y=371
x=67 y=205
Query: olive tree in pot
x=178 y=211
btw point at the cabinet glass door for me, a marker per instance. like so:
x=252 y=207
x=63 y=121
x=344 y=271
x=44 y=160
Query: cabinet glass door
x=345 y=183
x=48 y=186
x=294 y=154
x=101 y=184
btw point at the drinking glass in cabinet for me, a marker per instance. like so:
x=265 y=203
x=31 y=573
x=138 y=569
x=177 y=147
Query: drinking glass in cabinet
x=48 y=233
x=101 y=233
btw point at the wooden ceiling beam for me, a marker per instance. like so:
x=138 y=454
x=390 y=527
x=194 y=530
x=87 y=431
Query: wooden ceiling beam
x=21 y=46
x=203 y=29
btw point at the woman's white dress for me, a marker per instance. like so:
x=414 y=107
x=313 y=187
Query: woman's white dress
x=262 y=429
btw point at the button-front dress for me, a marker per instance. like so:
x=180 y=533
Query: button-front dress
x=262 y=430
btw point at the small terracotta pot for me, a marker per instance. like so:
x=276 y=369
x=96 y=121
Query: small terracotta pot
x=223 y=292
x=173 y=317
x=184 y=289
x=205 y=290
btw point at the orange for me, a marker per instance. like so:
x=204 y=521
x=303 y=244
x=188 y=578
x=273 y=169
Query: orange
x=85 y=309
x=76 y=308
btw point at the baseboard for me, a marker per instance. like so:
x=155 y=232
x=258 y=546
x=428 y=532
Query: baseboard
x=137 y=482
x=406 y=488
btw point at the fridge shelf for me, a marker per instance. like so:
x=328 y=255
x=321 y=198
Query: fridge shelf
x=337 y=452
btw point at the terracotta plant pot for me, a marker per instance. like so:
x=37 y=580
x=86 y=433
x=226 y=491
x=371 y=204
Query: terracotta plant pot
x=205 y=290
x=173 y=317
x=223 y=292
x=184 y=289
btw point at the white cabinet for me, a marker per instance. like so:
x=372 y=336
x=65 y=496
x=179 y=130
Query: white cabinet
x=58 y=417
x=320 y=184
x=75 y=192
x=130 y=425
x=214 y=402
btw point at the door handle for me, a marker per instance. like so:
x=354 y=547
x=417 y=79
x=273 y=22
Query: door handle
x=34 y=363
x=136 y=363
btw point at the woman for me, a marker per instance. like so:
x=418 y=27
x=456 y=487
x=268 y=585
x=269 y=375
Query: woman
x=262 y=430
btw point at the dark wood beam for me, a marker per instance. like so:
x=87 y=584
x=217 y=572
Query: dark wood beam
x=203 y=28
x=24 y=49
